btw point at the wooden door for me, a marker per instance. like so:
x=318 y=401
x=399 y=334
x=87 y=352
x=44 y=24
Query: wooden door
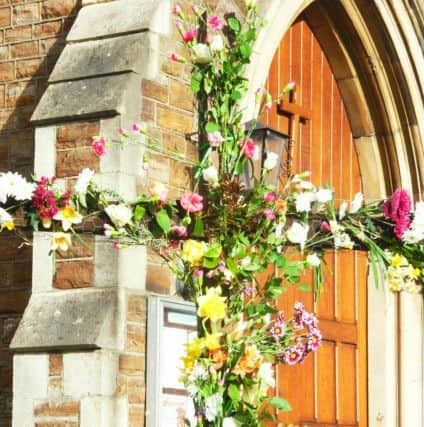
x=330 y=388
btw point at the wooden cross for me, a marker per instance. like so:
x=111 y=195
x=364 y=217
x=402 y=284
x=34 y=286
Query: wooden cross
x=296 y=115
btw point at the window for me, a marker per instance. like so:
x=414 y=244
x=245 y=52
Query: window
x=171 y=324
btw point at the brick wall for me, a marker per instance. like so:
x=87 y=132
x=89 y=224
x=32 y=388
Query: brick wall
x=32 y=34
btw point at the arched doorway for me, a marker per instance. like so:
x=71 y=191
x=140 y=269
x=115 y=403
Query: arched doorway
x=330 y=388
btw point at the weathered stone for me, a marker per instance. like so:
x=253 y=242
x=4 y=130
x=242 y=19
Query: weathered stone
x=67 y=321
x=120 y=17
x=99 y=57
x=102 y=96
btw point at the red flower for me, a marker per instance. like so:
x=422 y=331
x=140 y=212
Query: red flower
x=190 y=35
x=398 y=209
x=99 y=146
x=191 y=202
x=248 y=148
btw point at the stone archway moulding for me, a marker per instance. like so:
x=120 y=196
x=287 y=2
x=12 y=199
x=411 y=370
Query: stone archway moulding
x=374 y=52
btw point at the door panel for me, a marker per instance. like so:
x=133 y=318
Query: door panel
x=330 y=388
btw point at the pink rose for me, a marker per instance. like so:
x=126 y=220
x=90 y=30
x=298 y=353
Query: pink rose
x=137 y=129
x=190 y=35
x=176 y=10
x=269 y=197
x=99 y=146
x=178 y=58
x=269 y=214
x=191 y=202
x=180 y=230
x=180 y=27
x=216 y=23
x=248 y=148
x=215 y=139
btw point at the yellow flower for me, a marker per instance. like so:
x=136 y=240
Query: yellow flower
x=397 y=260
x=193 y=252
x=193 y=352
x=415 y=273
x=61 y=241
x=6 y=220
x=212 y=306
x=7 y=224
x=68 y=216
x=211 y=341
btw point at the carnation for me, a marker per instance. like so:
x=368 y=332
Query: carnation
x=120 y=215
x=303 y=201
x=191 y=202
x=213 y=406
x=298 y=233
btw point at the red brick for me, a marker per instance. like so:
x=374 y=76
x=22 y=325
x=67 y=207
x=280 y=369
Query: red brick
x=148 y=108
x=74 y=274
x=136 y=339
x=82 y=247
x=18 y=34
x=25 y=14
x=136 y=391
x=7 y=72
x=52 y=46
x=136 y=309
x=55 y=364
x=21 y=94
x=30 y=68
x=154 y=90
x=54 y=9
x=159 y=279
x=5 y=16
x=70 y=163
x=181 y=96
x=22 y=50
x=51 y=409
x=77 y=134
x=48 y=29
x=174 y=120
x=131 y=365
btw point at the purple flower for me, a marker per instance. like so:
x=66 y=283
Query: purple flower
x=277 y=330
x=314 y=340
x=293 y=355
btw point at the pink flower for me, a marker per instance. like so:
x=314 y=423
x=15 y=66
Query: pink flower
x=122 y=131
x=180 y=27
x=144 y=166
x=216 y=23
x=215 y=139
x=197 y=10
x=269 y=214
x=402 y=224
x=269 y=197
x=314 y=340
x=268 y=101
x=190 y=35
x=398 y=210
x=176 y=10
x=137 y=129
x=178 y=58
x=166 y=251
x=191 y=202
x=248 y=148
x=117 y=245
x=277 y=330
x=293 y=355
x=289 y=87
x=180 y=230
x=99 y=146
x=198 y=273
x=325 y=226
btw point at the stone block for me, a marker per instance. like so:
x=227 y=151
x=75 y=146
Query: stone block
x=42 y=267
x=99 y=57
x=54 y=9
x=121 y=16
x=57 y=409
x=174 y=120
x=81 y=319
x=96 y=97
x=90 y=373
x=30 y=376
x=7 y=71
x=45 y=151
x=104 y=412
x=5 y=16
x=25 y=49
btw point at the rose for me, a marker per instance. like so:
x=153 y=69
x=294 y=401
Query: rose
x=248 y=148
x=191 y=202
x=216 y=23
x=210 y=175
x=193 y=252
x=269 y=214
x=179 y=230
x=202 y=54
x=120 y=215
x=99 y=146
x=190 y=35
x=178 y=58
x=271 y=160
x=269 y=197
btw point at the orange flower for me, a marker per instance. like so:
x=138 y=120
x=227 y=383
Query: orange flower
x=218 y=357
x=280 y=207
x=249 y=362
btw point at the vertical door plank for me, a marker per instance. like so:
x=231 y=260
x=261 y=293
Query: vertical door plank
x=346 y=390
x=326 y=383
x=346 y=286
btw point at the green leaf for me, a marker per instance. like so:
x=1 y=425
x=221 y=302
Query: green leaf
x=207 y=85
x=198 y=227
x=211 y=127
x=234 y=393
x=163 y=220
x=281 y=404
x=34 y=221
x=211 y=262
x=214 y=251
x=196 y=81
x=245 y=50
x=82 y=200
x=236 y=95
x=304 y=287
x=234 y=24
x=139 y=213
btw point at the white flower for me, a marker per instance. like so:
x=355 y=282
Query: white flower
x=68 y=216
x=303 y=201
x=356 y=203
x=230 y=422
x=210 y=175
x=199 y=372
x=267 y=319
x=343 y=240
x=419 y=214
x=306 y=185
x=217 y=43
x=245 y=262
x=120 y=215
x=256 y=153
x=313 y=260
x=228 y=275
x=342 y=210
x=61 y=241
x=279 y=230
x=5 y=216
x=335 y=227
x=202 y=53
x=266 y=375
x=323 y=195
x=83 y=181
x=213 y=406
x=413 y=235
x=16 y=186
x=298 y=233
x=271 y=160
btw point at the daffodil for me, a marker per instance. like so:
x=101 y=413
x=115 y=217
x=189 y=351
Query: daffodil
x=193 y=252
x=61 y=241
x=68 y=216
x=212 y=306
